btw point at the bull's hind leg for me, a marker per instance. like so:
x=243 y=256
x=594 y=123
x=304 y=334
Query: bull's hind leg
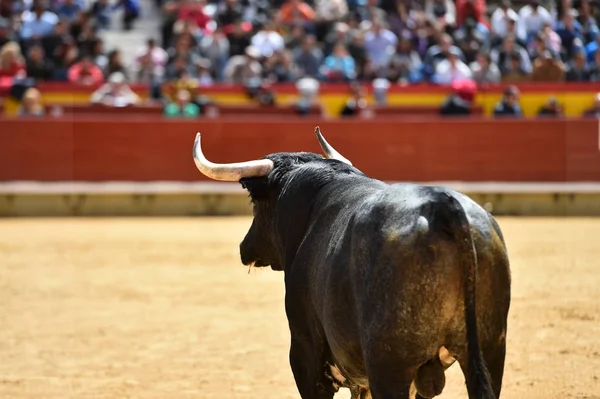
x=308 y=365
x=494 y=355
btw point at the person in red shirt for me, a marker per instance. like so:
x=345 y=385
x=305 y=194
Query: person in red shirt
x=193 y=10
x=85 y=72
x=12 y=64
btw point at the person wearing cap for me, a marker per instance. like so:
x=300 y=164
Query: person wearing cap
x=115 y=93
x=509 y=104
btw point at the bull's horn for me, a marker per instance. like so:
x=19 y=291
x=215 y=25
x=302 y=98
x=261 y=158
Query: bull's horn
x=230 y=171
x=329 y=151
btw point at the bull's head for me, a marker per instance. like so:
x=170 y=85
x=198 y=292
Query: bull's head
x=268 y=181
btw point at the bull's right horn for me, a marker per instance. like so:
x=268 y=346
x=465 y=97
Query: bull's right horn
x=329 y=151
x=230 y=171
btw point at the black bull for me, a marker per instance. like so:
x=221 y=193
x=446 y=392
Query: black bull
x=386 y=285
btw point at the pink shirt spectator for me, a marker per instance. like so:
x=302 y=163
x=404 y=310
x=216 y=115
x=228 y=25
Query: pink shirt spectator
x=86 y=72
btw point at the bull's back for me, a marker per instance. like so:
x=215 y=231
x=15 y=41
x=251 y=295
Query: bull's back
x=403 y=280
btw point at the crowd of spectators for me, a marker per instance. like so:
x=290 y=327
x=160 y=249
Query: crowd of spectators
x=248 y=41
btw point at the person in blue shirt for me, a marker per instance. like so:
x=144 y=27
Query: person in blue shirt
x=339 y=66
x=569 y=29
x=131 y=10
x=69 y=9
x=38 y=22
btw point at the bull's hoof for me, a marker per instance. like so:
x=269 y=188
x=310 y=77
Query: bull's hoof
x=430 y=380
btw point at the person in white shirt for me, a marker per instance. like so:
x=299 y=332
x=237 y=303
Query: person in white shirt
x=268 y=41
x=451 y=69
x=502 y=17
x=532 y=18
x=115 y=93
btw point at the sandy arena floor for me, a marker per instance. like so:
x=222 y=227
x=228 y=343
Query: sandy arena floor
x=163 y=308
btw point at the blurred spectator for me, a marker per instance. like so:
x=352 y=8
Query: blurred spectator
x=115 y=64
x=339 y=66
x=192 y=11
x=97 y=54
x=483 y=70
x=594 y=112
x=150 y=62
x=460 y=101
x=589 y=26
x=451 y=69
x=355 y=105
x=515 y=73
x=85 y=72
x=595 y=68
x=242 y=69
x=591 y=49
x=371 y=11
x=551 y=39
x=406 y=64
x=454 y=105
x=509 y=104
x=327 y=13
x=268 y=40
x=470 y=39
x=229 y=13
x=38 y=22
x=577 y=69
x=115 y=93
x=182 y=106
x=380 y=44
x=504 y=56
x=12 y=64
x=532 y=18
x=101 y=11
x=239 y=39
x=568 y=30
x=38 y=66
x=280 y=68
x=308 y=57
x=215 y=48
x=182 y=81
x=502 y=17
x=204 y=73
x=440 y=52
x=308 y=89
x=296 y=12
x=69 y=9
x=442 y=11
x=31 y=104
x=5 y=33
x=131 y=12
x=551 y=109
x=548 y=69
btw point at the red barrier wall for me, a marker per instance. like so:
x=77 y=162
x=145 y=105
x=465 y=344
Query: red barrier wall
x=146 y=149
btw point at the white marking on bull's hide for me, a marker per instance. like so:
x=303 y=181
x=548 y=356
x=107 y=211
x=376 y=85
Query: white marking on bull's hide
x=337 y=374
x=446 y=357
x=422 y=224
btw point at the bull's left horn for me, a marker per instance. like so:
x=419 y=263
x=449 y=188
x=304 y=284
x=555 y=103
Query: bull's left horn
x=329 y=151
x=230 y=171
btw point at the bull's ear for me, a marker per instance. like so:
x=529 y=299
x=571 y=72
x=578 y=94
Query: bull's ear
x=258 y=187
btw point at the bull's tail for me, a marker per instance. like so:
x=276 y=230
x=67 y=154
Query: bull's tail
x=478 y=378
